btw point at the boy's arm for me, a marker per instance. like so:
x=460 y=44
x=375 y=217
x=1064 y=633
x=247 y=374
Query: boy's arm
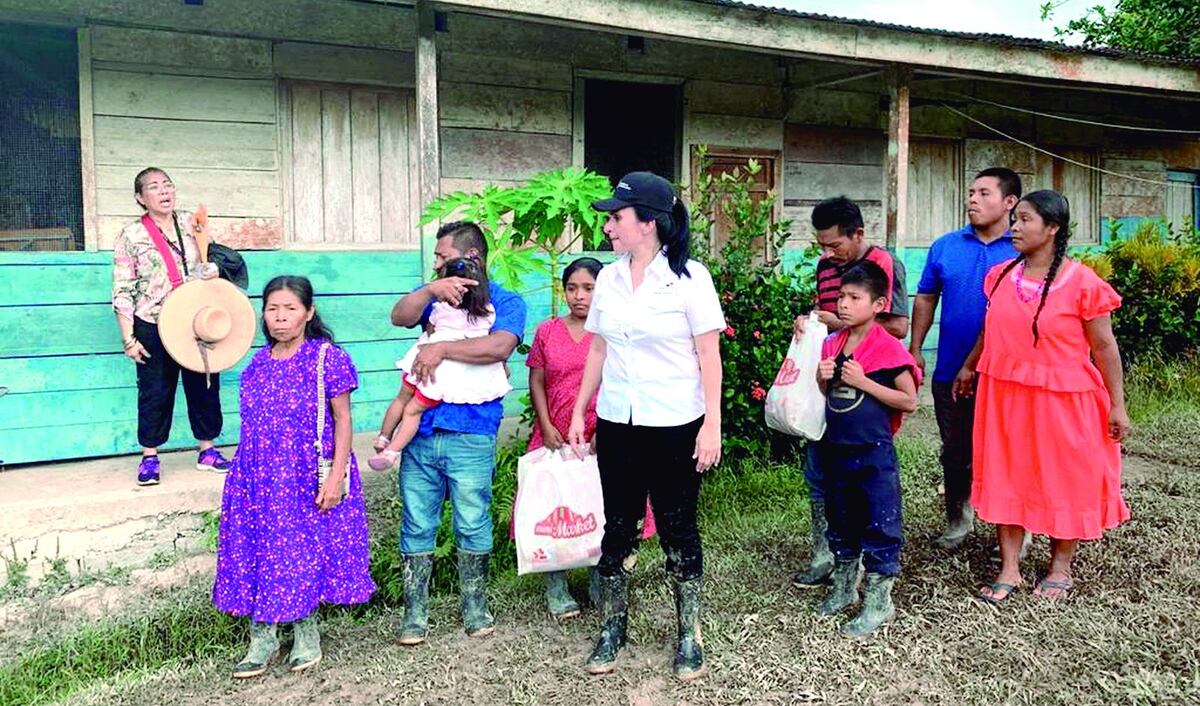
x=903 y=398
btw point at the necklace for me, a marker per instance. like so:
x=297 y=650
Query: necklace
x=1020 y=285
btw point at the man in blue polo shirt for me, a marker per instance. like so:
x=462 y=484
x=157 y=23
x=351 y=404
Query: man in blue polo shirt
x=455 y=446
x=954 y=272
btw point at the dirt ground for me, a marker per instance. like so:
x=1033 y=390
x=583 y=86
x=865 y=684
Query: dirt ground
x=1129 y=634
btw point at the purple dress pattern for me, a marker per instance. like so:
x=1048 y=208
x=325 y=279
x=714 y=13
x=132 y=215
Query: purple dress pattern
x=278 y=557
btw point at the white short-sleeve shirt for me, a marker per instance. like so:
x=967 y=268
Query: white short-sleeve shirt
x=651 y=372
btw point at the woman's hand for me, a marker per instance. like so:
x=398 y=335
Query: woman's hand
x=575 y=434
x=552 y=438
x=708 y=446
x=137 y=353
x=330 y=494
x=1118 y=423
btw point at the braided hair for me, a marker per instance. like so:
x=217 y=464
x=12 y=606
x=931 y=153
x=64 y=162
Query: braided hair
x=1054 y=208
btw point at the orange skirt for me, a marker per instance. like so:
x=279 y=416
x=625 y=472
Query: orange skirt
x=1043 y=460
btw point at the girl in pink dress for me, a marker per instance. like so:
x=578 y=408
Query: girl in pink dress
x=454 y=382
x=1051 y=410
x=555 y=362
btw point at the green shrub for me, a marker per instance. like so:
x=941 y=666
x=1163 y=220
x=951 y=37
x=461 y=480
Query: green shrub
x=1158 y=278
x=759 y=298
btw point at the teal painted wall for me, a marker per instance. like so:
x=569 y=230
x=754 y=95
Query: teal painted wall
x=72 y=394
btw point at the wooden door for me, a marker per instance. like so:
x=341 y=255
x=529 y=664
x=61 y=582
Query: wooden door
x=935 y=195
x=721 y=160
x=353 y=165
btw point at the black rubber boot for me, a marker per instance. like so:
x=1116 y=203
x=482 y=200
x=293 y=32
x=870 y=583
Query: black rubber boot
x=415 y=627
x=877 y=607
x=844 y=592
x=820 y=567
x=960 y=522
x=472 y=580
x=558 y=597
x=614 y=620
x=689 y=654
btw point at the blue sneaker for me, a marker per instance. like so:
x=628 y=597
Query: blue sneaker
x=211 y=460
x=148 y=471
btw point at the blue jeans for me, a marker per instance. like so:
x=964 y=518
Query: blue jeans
x=813 y=475
x=454 y=464
x=862 y=504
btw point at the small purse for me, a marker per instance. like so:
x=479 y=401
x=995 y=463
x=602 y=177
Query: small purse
x=325 y=465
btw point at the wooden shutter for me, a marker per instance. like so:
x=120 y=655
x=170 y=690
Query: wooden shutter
x=352 y=172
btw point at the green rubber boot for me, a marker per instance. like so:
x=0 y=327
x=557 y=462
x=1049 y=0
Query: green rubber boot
x=844 y=592
x=614 y=621
x=264 y=647
x=877 y=607
x=689 y=654
x=415 y=627
x=472 y=580
x=306 y=644
x=820 y=567
x=558 y=599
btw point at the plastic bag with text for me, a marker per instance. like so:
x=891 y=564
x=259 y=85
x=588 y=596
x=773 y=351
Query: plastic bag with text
x=795 y=404
x=559 y=515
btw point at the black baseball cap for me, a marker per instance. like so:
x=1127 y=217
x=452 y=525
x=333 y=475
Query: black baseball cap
x=645 y=189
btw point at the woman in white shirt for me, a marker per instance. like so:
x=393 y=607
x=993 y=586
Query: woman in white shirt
x=657 y=317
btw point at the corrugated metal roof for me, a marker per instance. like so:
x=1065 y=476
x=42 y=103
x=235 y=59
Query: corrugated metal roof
x=997 y=39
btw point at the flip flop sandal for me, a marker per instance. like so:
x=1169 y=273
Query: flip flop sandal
x=1047 y=584
x=1008 y=589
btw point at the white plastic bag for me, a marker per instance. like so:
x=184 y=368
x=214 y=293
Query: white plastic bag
x=559 y=515
x=795 y=404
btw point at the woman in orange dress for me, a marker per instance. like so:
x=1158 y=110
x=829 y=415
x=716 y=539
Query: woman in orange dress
x=1048 y=420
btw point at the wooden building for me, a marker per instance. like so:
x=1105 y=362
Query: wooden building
x=314 y=130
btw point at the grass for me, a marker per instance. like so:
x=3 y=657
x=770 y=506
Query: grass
x=1128 y=635
x=1163 y=400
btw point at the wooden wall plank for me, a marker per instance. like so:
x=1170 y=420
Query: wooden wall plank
x=87 y=139
x=813 y=143
x=336 y=170
x=145 y=95
x=226 y=192
x=809 y=181
x=725 y=98
x=365 y=165
x=343 y=64
x=470 y=105
x=395 y=172
x=936 y=204
x=734 y=131
x=166 y=50
x=237 y=233
x=499 y=70
x=308 y=200
x=492 y=154
x=179 y=143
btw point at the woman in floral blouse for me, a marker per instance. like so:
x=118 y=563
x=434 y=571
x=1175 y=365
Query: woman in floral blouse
x=152 y=256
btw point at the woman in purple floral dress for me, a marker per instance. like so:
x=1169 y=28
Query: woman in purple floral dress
x=286 y=546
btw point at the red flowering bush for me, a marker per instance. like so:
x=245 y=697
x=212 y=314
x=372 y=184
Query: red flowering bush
x=759 y=298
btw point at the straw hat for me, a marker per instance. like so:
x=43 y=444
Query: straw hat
x=207 y=319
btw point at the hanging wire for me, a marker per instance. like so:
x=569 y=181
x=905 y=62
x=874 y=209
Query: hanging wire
x=1138 y=128
x=1068 y=160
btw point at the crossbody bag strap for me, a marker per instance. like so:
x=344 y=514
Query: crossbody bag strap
x=321 y=401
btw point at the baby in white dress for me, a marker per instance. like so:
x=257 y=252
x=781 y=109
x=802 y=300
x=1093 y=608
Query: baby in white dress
x=453 y=381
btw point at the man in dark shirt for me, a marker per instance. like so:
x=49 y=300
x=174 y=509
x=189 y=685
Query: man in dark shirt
x=838 y=223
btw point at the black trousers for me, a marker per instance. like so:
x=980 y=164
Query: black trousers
x=956 y=422
x=157 y=381
x=634 y=461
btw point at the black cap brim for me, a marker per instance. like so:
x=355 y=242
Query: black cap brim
x=610 y=205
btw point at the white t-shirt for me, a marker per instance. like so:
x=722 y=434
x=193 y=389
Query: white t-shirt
x=652 y=372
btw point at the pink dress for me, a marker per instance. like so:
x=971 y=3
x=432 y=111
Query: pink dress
x=1043 y=459
x=562 y=359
